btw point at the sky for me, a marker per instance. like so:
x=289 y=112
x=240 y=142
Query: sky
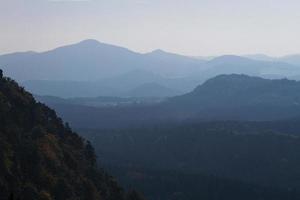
x=188 y=27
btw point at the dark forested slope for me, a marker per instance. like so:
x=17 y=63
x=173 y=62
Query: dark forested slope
x=176 y=185
x=251 y=152
x=215 y=160
x=40 y=158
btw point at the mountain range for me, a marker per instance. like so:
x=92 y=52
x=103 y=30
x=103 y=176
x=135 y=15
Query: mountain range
x=92 y=60
x=291 y=59
x=90 y=68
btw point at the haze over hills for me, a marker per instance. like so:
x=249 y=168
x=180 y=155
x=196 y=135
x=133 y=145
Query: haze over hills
x=44 y=159
x=149 y=100
x=69 y=62
x=261 y=57
x=92 y=60
x=229 y=64
x=100 y=101
x=121 y=86
x=225 y=97
x=99 y=69
x=202 y=132
x=293 y=59
x=152 y=90
x=180 y=140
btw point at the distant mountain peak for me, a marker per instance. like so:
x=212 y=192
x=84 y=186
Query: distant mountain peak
x=90 y=41
x=229 y=82
x=232 y=78
x=161 y=54
x=240 y=86
x=158 y=51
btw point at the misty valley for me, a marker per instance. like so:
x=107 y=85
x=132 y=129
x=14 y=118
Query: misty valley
x=97 y=121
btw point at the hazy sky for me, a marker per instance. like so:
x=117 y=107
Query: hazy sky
x=191 y=27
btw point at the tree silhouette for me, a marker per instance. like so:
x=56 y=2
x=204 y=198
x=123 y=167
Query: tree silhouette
x=90 y=153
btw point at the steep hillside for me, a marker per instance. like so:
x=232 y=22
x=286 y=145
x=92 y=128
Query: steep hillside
x=40 y=158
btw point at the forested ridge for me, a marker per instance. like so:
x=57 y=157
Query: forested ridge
x=41 y=158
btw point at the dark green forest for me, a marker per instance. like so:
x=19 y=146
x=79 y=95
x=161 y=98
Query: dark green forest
x=43 y=159
x=258 y=156
x=178 y=185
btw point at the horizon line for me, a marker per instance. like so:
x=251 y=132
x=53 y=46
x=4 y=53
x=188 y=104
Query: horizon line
x=204 y=57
